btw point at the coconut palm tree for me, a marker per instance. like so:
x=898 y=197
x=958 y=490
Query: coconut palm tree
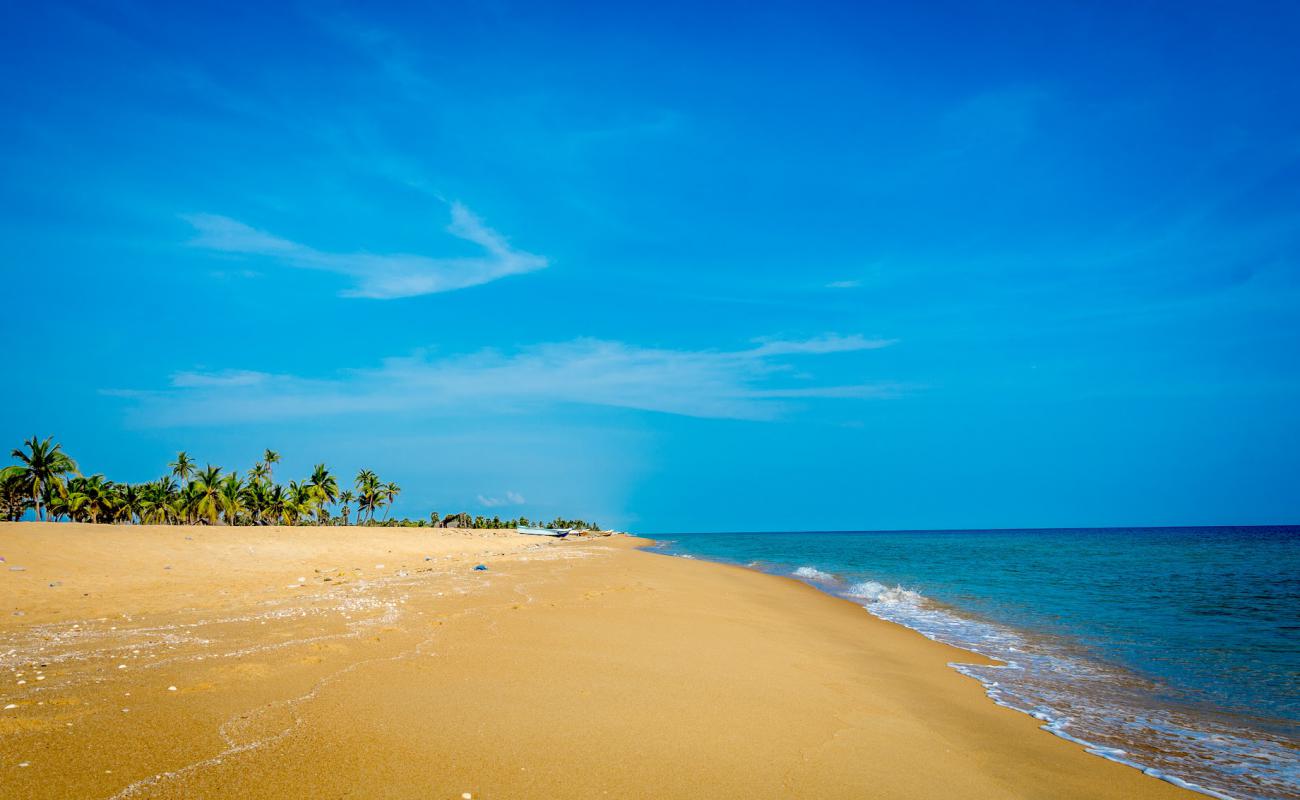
x=207 y=500
x=324 y=488
x=299 y=500
x=368 y=496
x=156 y=501
x=259 y=472
x=345 y=497
x=130 y=503
x=41 y=470
x=56 y=507
x=389 y=493
x=185 y=504
x=13 y=499
x=90 y=498
x=255 y=498
x=183 y=466
x=232 y=498
x=269 y=459
x=276 y=504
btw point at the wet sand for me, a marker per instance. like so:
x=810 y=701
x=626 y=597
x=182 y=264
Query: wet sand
x=192 y=662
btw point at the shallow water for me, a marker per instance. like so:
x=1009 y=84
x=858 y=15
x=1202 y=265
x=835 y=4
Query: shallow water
x=1176 y=650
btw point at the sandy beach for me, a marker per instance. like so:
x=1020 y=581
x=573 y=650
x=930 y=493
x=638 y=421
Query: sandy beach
x=142 y=661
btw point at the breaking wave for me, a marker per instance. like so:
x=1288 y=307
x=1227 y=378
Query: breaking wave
x=814 y=574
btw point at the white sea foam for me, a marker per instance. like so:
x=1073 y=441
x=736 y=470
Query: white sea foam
x=814 y=574
x=1098 y=706
x=1095 y=705
x=874 y=592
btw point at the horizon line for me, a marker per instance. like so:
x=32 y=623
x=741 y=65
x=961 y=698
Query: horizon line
x=985 y=530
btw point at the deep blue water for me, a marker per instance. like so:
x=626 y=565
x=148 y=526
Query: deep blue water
x=1173 y=649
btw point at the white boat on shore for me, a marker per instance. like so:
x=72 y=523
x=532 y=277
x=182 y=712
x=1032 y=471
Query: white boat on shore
x=557 y=532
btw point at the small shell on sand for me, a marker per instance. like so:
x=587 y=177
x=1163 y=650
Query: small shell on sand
x=11 y=705
x=171 y=688
x=467 y=795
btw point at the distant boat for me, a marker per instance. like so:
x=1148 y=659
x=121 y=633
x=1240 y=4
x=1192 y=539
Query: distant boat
x=560 y=532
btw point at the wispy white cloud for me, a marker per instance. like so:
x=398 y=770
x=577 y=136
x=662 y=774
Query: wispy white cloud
x=225 y=378
x=378 y=276
x=822 y=344
x=753 y=383
x=511 y=499
x=844 y=284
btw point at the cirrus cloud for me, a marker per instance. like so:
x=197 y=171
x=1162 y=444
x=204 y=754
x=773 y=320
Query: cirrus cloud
x=377 y=276
x=511 y=499
x=755 y=383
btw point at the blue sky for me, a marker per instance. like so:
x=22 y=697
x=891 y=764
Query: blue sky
x=743 y=266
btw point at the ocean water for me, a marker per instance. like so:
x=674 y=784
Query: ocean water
x=1174 y=650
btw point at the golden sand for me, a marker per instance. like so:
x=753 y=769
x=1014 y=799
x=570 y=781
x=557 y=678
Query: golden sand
x=187 y=662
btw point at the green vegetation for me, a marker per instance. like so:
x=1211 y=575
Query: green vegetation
x=48 y=482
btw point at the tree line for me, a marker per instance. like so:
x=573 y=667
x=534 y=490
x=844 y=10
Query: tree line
x=48 y=482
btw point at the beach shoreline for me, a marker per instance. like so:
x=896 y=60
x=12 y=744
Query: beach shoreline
x=394 y=668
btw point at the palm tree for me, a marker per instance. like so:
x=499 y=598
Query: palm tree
x=324 y=488
x=57 y=507
x=185 y=504
x=130 y=502
x=368 y=497
x=299 y=500
x=88 y=498
x=183 y=466
x=156 y=501
x=276 y=505
x=207 y=499
x=259 y=472
x=346 y=497
x=232 y=498
x=256 y=497
x=269 y=459
x=389 y=493
x=13 y=498
x=41 y=470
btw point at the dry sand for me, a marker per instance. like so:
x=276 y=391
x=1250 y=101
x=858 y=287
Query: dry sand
x=567 y=669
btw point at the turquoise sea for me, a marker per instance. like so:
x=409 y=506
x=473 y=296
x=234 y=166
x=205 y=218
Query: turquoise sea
x=1175 y=650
